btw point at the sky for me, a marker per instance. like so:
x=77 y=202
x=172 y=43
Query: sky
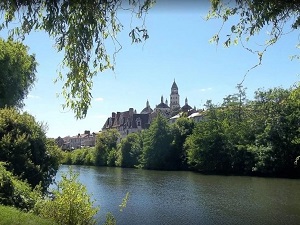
x=178 y=48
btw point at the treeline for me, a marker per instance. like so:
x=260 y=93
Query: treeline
x=239 y=136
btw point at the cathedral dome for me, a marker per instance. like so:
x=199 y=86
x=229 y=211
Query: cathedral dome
x=162 y=105
x=186 y=107
x=147 y=109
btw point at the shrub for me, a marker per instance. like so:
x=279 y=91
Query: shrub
x=71 y=203
x=16 y=193
x=24 y=148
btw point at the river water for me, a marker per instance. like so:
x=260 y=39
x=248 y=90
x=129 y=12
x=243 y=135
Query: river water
x=182 y=197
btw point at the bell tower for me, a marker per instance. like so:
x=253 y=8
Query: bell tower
x=174 y=97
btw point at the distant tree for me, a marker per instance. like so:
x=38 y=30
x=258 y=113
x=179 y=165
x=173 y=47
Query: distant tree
x=130 y=150
x=277 y=135
x=25 y=149
x=106 y=142
x=82 y=30
x=17 y=73
x=181 y=129
x=157 y=145
x=207 y=146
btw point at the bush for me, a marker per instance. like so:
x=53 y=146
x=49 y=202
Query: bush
x=24 y=148
x=16 y=193
x=71 y=203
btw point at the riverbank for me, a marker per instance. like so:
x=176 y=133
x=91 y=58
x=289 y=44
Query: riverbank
x=10 y=215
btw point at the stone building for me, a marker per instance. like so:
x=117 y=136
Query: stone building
x=129 y=121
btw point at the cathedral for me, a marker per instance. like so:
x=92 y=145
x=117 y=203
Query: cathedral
x=169 y=110
x=130 y=121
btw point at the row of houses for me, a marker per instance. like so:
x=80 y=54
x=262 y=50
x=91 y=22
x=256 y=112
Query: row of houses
x=87 y=139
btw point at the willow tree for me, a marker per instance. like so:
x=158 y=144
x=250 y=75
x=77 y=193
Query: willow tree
x=81 y=30
x=253 y=17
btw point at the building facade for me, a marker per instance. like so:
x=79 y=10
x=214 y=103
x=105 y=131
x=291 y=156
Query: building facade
x=129 y=121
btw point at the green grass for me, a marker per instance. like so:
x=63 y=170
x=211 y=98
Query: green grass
x=12 y=216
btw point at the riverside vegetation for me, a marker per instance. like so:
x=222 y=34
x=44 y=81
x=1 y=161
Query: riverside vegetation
x=257 y=137
x=29 y=162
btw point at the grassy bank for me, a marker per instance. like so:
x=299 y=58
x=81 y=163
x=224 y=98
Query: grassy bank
x=12 y=216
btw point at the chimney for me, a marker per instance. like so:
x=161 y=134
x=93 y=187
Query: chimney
x=113 y=114
x=87 y=132
x=130 y=112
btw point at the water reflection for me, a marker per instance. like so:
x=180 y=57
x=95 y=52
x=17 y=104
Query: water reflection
x=179 y=197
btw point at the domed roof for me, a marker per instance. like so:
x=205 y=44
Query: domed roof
x=162 y=105
x=186 y=106
x=147 y=109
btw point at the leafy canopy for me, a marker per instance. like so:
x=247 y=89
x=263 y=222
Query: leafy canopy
x=17 y=73
x=25 y=148
x=82 y=30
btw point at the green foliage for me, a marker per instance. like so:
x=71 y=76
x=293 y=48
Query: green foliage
x=260 y=137
x=25 y=149
x=129 y=150
x=181 y=129
x=17 y=73
x=253 y=17
x=16 y=193
x=71 y=203
x=106 y=142
x=112 y=157
x=81 y=29
x=83 y=156
x=157 y=145
x=10 y=215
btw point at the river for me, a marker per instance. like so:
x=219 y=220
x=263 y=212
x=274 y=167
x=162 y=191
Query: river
x=183 y=197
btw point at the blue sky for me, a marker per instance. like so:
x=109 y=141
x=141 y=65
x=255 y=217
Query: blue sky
x=178 y=48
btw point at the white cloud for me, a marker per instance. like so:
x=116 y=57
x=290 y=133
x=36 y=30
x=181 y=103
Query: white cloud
x=33 y=96
x=99 y=99
x=205 y=89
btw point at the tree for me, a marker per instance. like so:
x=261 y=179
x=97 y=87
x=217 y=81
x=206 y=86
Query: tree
x=157 y=145
x=81 y=29
x=106 y=143
x=17 y=73
x=130 y=150
x=25 y=149
x=181 y=129
x=277 y=136
x=279 y=16
x=206 y=147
